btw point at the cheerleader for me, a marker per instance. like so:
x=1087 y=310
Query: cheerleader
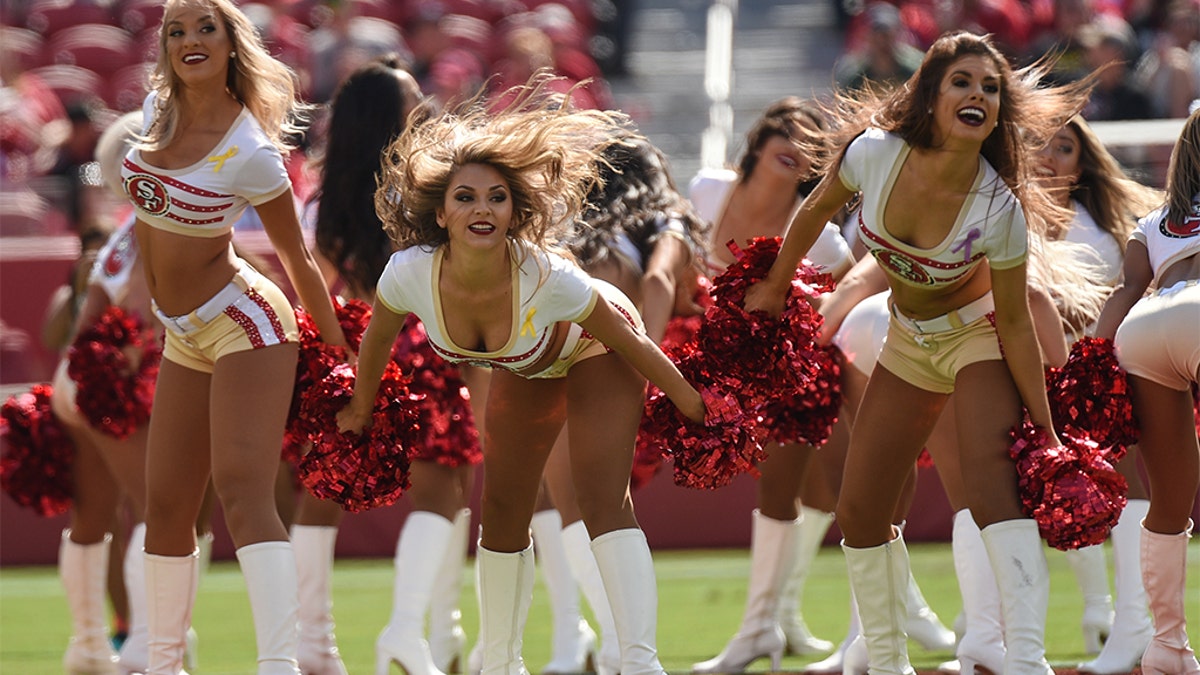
x=370 y=110
x=1083 y=177
x=1156 y=343
x=774 y=175
x=217 y=121
x=476 y=202
x=942 y=164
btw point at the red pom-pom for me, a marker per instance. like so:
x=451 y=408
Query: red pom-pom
x=364 y=471
x=1071 y=490
x=770 y=373
x=35 y=470
x=808 y=412
x=709 y=455
x=114 y=363
x=446 y=425
x=1089 y=397
x=317 y=358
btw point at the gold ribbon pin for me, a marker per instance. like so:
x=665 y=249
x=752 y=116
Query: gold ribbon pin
x=220 y=159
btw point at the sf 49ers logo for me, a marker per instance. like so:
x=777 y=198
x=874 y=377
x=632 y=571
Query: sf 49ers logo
x=902 y=266
x=1188 y=227
x=148 y=193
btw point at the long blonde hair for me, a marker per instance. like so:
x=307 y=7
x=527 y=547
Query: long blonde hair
x=257 y=80
x=548 y=153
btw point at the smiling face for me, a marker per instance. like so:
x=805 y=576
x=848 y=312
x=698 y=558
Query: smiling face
x=1058 y=163
x=478 y=207
x=196 y=42
x=968 y=101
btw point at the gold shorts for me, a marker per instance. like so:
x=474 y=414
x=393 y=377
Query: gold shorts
x=249 y=313
x=931 y=359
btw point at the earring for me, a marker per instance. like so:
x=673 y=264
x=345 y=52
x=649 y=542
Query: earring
x=232 y=54
x=929 y=110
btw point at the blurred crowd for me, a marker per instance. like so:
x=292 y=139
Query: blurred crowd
x=68 y=67
x=1147 y=51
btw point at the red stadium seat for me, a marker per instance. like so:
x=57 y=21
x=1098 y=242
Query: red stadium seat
x=70 y=83
x=25 y=48
x=100 y=48
x=128 y=86
x=139 y=15
x=50 y=16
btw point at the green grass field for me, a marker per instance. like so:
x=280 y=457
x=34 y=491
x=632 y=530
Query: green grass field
x=701 y=594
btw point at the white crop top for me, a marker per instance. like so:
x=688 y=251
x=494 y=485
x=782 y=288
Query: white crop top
x=206 y=198
x=1108 y=256
x=546 y=289
x=1169 y=242
x=114 y=265
x=709 y=192
x=990 y=224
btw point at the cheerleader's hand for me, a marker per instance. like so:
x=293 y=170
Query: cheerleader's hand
x=765 y=296
x=352 y=419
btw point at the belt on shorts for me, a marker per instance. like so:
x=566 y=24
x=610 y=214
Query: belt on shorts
x=1177 y=286
x=214 y=307
x=957 y=318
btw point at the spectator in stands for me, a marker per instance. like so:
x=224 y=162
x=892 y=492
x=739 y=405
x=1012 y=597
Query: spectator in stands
x=527 y=50
x=1110 y=49
x=1006 y=20
x=1170 y=70
x=344 y=43
x=885 y=57
x=75 y=151
x=1061 y=37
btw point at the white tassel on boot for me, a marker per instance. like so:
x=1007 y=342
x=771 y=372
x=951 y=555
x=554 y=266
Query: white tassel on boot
x=447 y=639
x=1019 y=561
x=1164 y=575
x=420 y=551
x=170 y=595
x=83 y=569
x=982 y=642
x=623 y=557
x=1132 y=629
x=318 y=652
x=578 y=547
x=134 y=657
x=269 y=568
x=505 y=593
x=879 y=577
x=574 y=642
x=814 y=523
x=772 y=556
x=1091 y=573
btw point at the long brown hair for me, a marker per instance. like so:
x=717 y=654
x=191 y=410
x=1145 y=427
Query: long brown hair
x=1029 y=115
x=1112 y=198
